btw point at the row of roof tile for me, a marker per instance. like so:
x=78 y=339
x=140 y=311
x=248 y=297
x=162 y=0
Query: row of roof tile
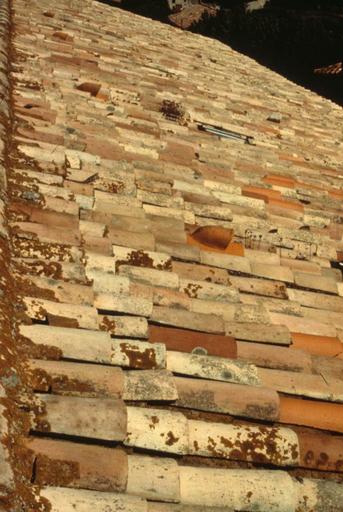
x=179 y=292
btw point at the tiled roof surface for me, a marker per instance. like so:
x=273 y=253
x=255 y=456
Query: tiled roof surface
x=192 y=14
x=334 y=69
x=172 y=301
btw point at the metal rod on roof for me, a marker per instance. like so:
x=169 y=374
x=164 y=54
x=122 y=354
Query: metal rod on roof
x=226 y=134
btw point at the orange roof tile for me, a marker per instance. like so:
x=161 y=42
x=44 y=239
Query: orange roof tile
x=333 y=69
x=161 y=282
x=318 y=345
x=311 y=413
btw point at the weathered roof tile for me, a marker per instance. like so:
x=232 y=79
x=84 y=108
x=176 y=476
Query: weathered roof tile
x=246 y=401
x=149 y=385
x=123 y=304
x=53 y=455
x=212 y=368
x=225 y=261
x=82 y=500
x=278 y=446
x=80 y=316
x=277 y=357
x=108 y=417
x=183 y=340
x=139 y=242
x=156 y=429
x=262 y=490
x=187 y=320
x=277 y=334
x=154 y=478
x=79 y=344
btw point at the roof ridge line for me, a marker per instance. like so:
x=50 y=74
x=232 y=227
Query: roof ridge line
x=14 y=422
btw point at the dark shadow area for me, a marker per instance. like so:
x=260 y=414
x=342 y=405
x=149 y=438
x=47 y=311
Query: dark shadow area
x=293 y=42
x=155 y=9
x=291 y=37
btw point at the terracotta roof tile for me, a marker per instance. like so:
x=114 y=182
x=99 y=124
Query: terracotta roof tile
x=318 y=345
x=333 y=69
x=54 y=457
x=84 y=499
x=192 y=341
x=108 y=417
x=264 y=355
x=172 y=299
x=235 y=399
x=322 y=415
x=251 y=331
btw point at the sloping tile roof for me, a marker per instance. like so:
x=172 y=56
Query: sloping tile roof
x=333 y=69
x=171 y=298
x=192 y=14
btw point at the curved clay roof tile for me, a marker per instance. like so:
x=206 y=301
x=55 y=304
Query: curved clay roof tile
x=213 y=236
x=334 y=69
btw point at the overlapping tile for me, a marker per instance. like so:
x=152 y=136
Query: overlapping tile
x=178 y=294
